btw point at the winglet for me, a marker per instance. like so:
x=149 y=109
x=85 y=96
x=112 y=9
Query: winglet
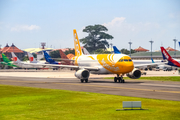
x=77 y=46
x=116 y=51
x=165 y=54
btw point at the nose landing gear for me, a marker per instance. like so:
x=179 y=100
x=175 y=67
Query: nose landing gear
x=120 y=79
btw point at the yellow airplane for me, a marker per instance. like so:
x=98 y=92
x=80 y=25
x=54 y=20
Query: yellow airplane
x=119 y=64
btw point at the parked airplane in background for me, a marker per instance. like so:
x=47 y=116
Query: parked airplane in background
x=119 y=64
x=26 y=65
x=171 y=61
x=7 y=62
x=85 y=51
x=49 y=59
x=65 y=59
x=33 y=60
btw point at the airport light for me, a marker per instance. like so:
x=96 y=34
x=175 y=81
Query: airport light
x=175 y=47
x=130 y=47
x=151 y=47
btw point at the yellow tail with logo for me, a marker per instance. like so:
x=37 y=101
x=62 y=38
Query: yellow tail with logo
x=77 y=46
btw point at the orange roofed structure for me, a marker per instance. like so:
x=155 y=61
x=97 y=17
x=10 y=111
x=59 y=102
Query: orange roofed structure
x=7 y=51
x=170 y=49
x=140 y=49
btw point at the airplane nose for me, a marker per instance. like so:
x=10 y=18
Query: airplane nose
x=130 y=66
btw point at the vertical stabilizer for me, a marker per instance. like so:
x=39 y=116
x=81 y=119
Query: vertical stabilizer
x=48 y=58
x=31 y=58
x=165 y=54
x=77 y=46
x=63 y=55
x=15 y=58
x=5 y=59
x=116 y=51
x=85 y=51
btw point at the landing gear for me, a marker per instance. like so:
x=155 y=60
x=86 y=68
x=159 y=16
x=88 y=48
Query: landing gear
x=86 y=80
x=120 y=79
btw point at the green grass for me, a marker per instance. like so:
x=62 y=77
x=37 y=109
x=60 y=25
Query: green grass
x=166 y=78
x=24 y=103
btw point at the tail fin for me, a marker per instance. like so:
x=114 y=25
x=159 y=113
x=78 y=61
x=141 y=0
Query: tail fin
x=152 y=60
x=31 y=58
x=67 y=62
x=77 y=46
x=179 y=44
x=5 y=59
x=85 y=51
x=48 y=57
x=15 y=58
x=116 y=51
x=165 y=54
x=63 y=55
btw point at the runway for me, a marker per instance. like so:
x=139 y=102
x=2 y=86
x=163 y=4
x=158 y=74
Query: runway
x=134 y=88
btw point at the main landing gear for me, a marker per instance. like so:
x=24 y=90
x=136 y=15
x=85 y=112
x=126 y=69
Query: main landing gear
x=120 y=79
x=82 y=80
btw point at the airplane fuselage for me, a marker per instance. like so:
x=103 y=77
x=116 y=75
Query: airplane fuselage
x=107 y=63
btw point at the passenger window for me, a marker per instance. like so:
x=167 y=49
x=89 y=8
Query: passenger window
x=130 y=60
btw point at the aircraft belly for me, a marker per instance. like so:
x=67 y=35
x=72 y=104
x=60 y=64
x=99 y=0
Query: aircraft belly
x=102 y=71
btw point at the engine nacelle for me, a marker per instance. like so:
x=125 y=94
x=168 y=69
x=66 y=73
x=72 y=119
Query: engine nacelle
x=82 y=74
x=135 y=74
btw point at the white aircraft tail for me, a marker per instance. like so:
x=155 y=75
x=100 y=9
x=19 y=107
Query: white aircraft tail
x=77 y=46
x=15 y=58
x=31 y=58
x=85 y=51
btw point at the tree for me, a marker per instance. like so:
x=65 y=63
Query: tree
x=101 y=51
x=125 y=51
x=97 y=38
x=55 y=54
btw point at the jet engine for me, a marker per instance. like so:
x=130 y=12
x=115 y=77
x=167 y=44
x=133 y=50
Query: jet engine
x=82 y=74
x=135 y=74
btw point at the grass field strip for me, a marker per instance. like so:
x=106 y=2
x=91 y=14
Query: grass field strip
x=96 y=86
x=160 y=85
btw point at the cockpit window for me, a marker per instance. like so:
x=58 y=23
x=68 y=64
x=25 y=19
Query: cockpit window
x=125 y=60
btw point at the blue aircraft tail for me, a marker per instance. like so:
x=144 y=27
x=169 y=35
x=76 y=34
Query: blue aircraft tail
x=48 y=58
x=179 y=44
x=116 y=51
x=152 y=60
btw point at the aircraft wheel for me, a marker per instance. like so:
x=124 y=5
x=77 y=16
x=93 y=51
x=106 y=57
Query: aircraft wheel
x=123 y=81
x=86 y=80
x=115 y=79
x=82 y=80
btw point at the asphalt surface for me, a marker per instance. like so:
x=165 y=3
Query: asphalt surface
x=135 y=88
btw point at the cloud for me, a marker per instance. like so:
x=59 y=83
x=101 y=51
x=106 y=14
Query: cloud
x=138 y=32
x=25 y=28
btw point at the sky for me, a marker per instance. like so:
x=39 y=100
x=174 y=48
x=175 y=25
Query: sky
x=27 y=23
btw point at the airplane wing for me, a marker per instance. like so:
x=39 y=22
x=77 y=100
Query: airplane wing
x=64 y=66
x=149 y=64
